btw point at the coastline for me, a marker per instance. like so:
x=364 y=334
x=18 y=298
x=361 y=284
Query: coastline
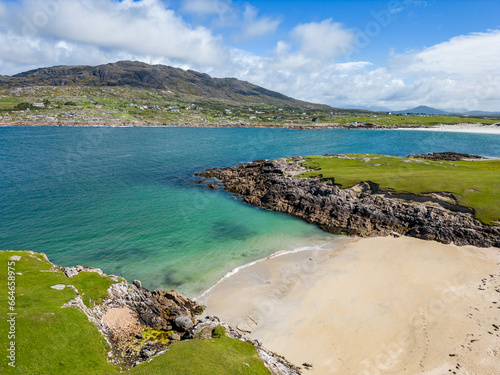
x=371 y=306
x=459 y=128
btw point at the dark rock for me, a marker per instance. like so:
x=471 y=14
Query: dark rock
x=183 y=322
x=356 y=211
x=137 y=283
x=450 y=156
x=174 y=337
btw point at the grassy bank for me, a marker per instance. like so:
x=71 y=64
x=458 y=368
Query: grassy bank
x=53 y=340
x=475 y=184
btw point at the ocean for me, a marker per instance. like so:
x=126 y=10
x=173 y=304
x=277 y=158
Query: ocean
x=124 y=199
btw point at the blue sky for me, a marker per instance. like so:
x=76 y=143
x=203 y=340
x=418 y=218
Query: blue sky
x=367 y=54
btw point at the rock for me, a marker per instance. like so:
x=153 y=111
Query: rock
x=137 y=283
x=15 y=258
x=183 y=322
x=357 y=211
x=173 y=337
x=58 y=286
x=450 y=156
x=147 y=352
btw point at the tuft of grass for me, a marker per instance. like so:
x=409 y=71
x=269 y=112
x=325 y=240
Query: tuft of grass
x=221 y=356
x=475 y=184
x=218 y=332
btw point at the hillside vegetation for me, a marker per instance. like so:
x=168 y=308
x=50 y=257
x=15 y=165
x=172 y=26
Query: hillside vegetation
x=131 y=93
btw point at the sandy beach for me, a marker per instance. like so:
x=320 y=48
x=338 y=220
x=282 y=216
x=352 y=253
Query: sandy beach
x=461 y=128
x=371 y=306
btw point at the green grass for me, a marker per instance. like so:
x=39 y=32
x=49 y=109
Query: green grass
x=49 y=339
x=221 y=356
x=475 y=184
x=52 y=340
x=398 y=120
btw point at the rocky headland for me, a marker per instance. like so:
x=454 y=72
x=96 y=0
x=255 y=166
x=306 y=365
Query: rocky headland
x=362 y=210
x=139 y=324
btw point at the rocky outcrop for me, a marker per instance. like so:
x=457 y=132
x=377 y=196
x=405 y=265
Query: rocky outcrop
x=139 y=324
x=450 y=156
x=359 y=211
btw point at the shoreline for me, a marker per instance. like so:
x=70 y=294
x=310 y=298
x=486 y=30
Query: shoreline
x=333 y=308
x=360 y=210
x=459 y=128
x=462 y=128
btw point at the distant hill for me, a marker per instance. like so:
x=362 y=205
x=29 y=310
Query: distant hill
x=145 y=76
x=423 y=110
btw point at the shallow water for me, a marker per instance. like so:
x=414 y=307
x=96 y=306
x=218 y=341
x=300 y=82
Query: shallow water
x=123 y=199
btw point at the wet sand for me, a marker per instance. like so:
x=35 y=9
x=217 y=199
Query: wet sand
x=372 y=306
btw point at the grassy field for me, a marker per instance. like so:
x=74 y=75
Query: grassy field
x=475 y=184
x=53 y=340
x=400 y=120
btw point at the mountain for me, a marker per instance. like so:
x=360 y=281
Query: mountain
x=423 y=110
x=145 y=76
x=481 y=113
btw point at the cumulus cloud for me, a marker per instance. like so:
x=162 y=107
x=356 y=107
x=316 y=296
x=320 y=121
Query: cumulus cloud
x=323 y=39
x=142 y=27
x=311 y=63
x=219 y=7
x=477 y=53
x=253 y=26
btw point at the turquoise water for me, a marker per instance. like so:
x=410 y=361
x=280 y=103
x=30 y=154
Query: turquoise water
x=123 y=199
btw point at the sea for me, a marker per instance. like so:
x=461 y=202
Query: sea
x=125 y=199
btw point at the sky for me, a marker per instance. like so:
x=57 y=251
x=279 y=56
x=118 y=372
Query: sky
x=391 y=54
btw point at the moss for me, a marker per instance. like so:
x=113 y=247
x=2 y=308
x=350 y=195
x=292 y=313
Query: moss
x=156 y=336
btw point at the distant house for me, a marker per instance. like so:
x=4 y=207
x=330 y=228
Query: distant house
x=39 y=105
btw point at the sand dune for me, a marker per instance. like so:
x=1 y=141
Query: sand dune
x=374 y=306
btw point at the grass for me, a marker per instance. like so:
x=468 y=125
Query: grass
x=475 y=184
x=49 y=339
x=220 y=356
x=52 y=340
x=399 y=120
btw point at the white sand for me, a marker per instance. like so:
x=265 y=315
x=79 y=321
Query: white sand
x=375 y=306
x=461 y=128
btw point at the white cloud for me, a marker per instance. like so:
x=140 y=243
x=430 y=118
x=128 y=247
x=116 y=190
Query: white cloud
x=477 y=53
x=254 y=27
x=324 y=39
x=219 y=7
x=142 y=27
x=312 y=64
